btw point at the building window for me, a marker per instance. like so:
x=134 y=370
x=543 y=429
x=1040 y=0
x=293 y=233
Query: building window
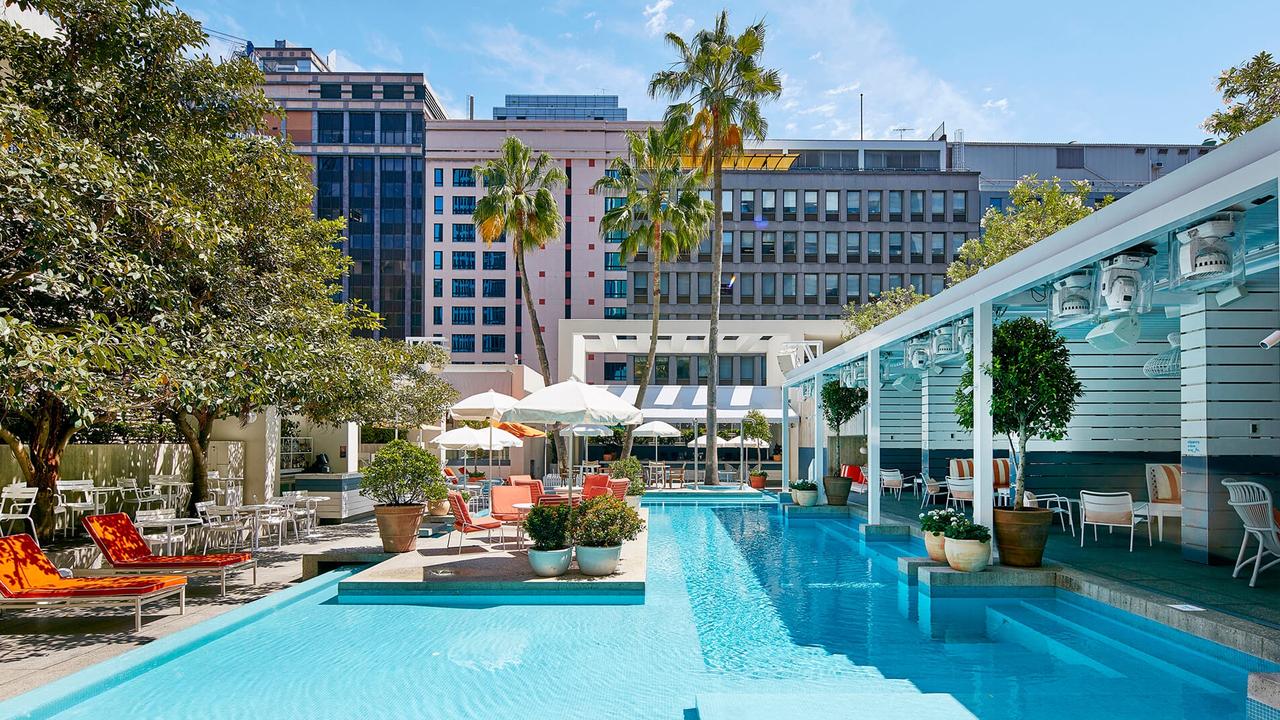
x=959 y=206
x=704 y=286
x=1070 y=158
x=463 y=343
x=437 y=232
x=895 y=205
x=917 y=205
x=938 y=248
x=726 y=203
x=853 y=205
x=873 y=286
x=768 y=288
x=615 y=371
x=936 y=284
x=464 y=204
x=832 y=207
x=330 y=91
x=917 y=247
x=895 y=247
x=464 y=315
x=437 y=315
x=437 y=177
x=464 y=232
x=811 y=287
x=747 y=246
x=495 y=260
x=788 y=287
x=937 y=206
x=831 y=288
x=393 y=92
x=437 y=287
x=810 y=204
x=747 y=288
x=437 y=205
x=874 y=208
x=464 y=287
x=615 y=313
x=853 y=247
x=874 y=247
x=831 y=247
x=895 y=281
x=494 y=288
x=726 y=244
x=361 y=127
x=615 y=289
x=361 y=91
x=493 y=343
x=464 y=177
x=917 y=283
x=788 y=204
x=494 y=315
x=437 y=260
x=464 y=260
x=329 y=128
x=613 y=261
x=747 y=205
x=811 y=247
x=853 y=288
x=683 y=287
x=769 y=204
x=395 y=128
x=768 y=246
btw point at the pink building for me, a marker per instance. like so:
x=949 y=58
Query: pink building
x=472 y=290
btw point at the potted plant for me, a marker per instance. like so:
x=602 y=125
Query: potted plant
x=399 y=480
x=476 y=476
x=839 y=404
x=968 y=545
x=600 y=526
x=933 y=524
x=548 y=529
x=437 y=499
x=804 y=493
x=630 y=468
x=758 y=476
x=1034 y=391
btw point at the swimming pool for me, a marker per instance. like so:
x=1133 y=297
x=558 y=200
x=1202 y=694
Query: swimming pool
x=747 y=615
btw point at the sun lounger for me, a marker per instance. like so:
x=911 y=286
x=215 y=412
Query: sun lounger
x=125 y=552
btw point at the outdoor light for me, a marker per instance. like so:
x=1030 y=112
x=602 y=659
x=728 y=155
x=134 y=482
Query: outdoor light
x=1115 y=334
x=1206 y=254
x=944 y=341
x=1126 y=281
x=1071 y=298
x=964 y=334
x=918 y=354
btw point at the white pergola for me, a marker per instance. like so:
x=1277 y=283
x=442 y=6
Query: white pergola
x=1238 y=177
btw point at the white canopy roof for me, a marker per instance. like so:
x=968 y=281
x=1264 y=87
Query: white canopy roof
x=688 y=403
x=701 y=442
x=573 y=402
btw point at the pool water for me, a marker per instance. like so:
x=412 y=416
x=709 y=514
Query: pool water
x=745 y=613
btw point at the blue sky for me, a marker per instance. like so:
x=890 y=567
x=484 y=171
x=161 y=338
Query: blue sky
x=1124 y=71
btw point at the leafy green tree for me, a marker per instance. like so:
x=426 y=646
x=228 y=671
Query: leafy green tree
x=661 y=214
x=891 y=303
x=1034 y=389
x=755 y=426
x=378 y=383
x=717 y=83
x=1251 y=93
x=841 y=404
x=520 y=204
x=1037 y=209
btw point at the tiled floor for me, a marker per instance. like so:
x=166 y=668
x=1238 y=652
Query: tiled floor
x=1159 y=568
x=38 y=646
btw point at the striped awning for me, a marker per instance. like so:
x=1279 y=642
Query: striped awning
x=688 y=403
x=766 y=160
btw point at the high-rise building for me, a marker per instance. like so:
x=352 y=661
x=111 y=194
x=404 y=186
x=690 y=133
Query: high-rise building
x=560 y=107
x=364 y=134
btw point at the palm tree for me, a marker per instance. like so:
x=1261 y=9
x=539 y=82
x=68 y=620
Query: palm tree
x=718 y=84
x=520 y=203
x=662 y=214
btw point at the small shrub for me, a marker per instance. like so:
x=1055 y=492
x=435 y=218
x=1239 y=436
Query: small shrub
x=548 y=527
x=965 y=529
x=401 y=474
x=936 y=521
x=757 y=470
x=628 y=467
x=804 y=485
x=605 y=521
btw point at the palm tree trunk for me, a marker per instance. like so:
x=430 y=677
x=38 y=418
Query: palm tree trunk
x=713 y=338
x=538 y=342
x=653 y=334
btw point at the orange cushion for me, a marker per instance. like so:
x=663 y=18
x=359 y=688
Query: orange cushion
x=23 y=565
x=117 y=538
x=205 y=561
x=599 y=480
x=101 y=587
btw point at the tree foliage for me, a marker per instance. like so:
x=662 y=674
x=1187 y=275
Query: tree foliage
x=1037 y=209
x=717 y=83
x=402 y=474
x=891 y=303
x=1034 y=387
x=841 y=404
x=1251 y=93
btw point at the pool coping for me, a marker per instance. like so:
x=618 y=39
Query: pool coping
x=72 y=689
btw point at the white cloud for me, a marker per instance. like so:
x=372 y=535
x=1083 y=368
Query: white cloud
x=656 y=16
x=843 y=89
x=1001 y=105
x=342 y=62
x=825 y=109
x=384 y=49
x=816 y=57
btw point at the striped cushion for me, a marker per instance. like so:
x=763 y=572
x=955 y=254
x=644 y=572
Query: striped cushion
x=959 y=467
x=1166 y=483
x=1001 y=469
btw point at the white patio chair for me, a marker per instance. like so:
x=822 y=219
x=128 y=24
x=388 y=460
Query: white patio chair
x=274 y=517
x=160 y=541
x=1059 y=505
x=1164 y=494
x=216 y=525
x=892 y=482
x=296 y=502
x=1112 y=510
x=76 y=498
x=140 y=498
x=1252 y=502
x=17 y=502
x=959 y=492
x=932 y=489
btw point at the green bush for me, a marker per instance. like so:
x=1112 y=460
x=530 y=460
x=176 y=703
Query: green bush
x=804 y=485
x=965 y=529
x=757 y=470
x=401 y=474
x=605 y=521
x=630 y=468
x=936 y=521
x=548 y=527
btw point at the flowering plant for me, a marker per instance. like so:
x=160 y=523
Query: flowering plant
x=936 y=521
x=965 y=529
x=804 y=485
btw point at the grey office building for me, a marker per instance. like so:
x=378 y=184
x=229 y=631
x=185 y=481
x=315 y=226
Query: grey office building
x=560 y=107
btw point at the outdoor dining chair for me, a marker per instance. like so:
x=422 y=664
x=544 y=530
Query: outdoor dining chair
x=1252 y=502
x=892 y=482
x=1111 y=510
x=17 y=502
x=168 y=538
x=131 y=494
x=75 y=497
x=932 y=489
x=1059 y=505
x=959 y=491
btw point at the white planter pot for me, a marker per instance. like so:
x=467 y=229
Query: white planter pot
x=968 y=555
x=550 y=563
x=633 y=501
x=805 y=498
x=598 y=561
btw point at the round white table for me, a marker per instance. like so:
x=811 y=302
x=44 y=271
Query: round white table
x=170 y=525
x=171 y=488
x=524 y=509
x=257 y=511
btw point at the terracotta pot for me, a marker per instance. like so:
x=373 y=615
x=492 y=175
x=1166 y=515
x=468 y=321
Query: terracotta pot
x=550 y=563
x=837 y=488
x=599 y=561
x=968 y=555
x=1021 y=535
x=777 y=458
x=805 y=498
x=398 y=526
x=935 y=543
x=757 y=481
x=439 y=509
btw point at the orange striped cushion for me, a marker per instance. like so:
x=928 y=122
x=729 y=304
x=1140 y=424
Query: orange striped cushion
x=1166 y=484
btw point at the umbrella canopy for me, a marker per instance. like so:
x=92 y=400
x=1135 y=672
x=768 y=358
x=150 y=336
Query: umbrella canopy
x=465 y=438
x=520 y=430
x=482 y=406
x=753 y=443
x=701 y=442
x=587 y=431
x=656 y=429
x=573 y=402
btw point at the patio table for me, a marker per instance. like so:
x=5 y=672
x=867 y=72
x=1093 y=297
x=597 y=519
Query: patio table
x=170 y=526
x=524 y=509
x=171 y=488
x=256 y=511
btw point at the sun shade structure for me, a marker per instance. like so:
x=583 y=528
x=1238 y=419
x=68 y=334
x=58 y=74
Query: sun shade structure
x=656 y=429
x=465 y=438
x=489 y=406
x=760 y=160
x=688 y=403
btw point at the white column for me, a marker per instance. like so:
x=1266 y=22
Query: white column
x=353 y=447
x=786 y=438
x=873 y=436
x=819 y=440
x=983 y=492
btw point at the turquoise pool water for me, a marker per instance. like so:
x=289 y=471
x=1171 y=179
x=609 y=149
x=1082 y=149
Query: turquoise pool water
x=745 y=614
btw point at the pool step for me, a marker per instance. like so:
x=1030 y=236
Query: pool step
x=833 y=706
x=1098 y=643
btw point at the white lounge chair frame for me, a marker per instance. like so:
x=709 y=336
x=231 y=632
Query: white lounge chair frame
x=1111 y=503
x=134 y=601
x=957 y=490
x=1059 y=505
x=1252 y=502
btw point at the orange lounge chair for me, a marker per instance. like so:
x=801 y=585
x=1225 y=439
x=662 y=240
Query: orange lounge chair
x=595 y=485
x=502 y=501
x=465 y=524
x=124 y=552
x=28 y=580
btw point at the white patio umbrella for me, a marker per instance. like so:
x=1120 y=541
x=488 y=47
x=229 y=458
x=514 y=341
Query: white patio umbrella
x=586 y=432
x=573 y=403
x=460 y=438
x=487 y=406
x=701 y=442
x=656 y=429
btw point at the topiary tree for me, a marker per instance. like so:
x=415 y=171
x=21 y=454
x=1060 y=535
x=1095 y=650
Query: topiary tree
x=1034 y=388
x=402 y=474
x=755 y=426
x=839 y=405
